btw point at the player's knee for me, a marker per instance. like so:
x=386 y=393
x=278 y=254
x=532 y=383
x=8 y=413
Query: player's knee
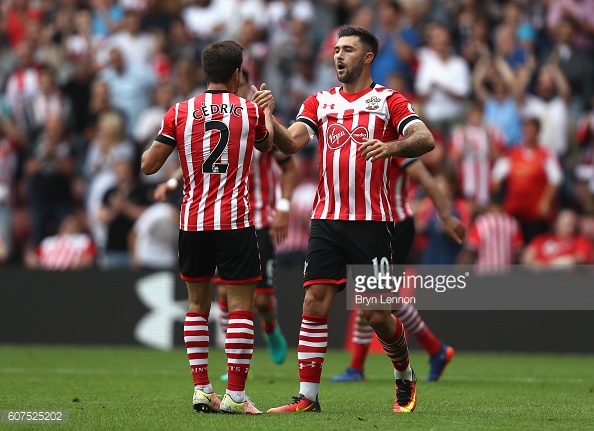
x=262 y=302
x=376 y=318
x=315 y=302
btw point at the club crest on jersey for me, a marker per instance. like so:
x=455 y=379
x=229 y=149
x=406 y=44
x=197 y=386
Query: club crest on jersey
x=338 y=135
x=373 y=103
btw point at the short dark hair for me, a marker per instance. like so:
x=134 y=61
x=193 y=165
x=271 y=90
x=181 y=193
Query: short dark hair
x=366 y=37
x=220 y=60
x=533 y=120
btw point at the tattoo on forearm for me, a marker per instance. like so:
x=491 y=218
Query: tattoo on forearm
x=417 y=141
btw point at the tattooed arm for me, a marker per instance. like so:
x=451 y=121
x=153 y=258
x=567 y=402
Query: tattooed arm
x=417 y=141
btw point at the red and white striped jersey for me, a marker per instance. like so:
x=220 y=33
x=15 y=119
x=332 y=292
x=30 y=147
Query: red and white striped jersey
x=496 y=238
x=299 y=219
x=64 y=252
x=473 y=145
x=215 y=134
x=22 y=85
x=351 y=188
x=263 y=181
x=400 y=183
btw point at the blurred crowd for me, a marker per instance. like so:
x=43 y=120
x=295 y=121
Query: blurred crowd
x=505 y=86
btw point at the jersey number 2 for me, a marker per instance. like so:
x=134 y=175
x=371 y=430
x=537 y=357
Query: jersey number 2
x=210 y=165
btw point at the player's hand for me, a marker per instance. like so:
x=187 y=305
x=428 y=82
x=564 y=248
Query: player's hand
x=262 y=97
x=279 y=227
x=373 y=150
x=160 y=193
x=454 y=229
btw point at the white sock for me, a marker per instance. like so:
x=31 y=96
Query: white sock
x=237 y=396
x=309 y=390
x=404 y=375
x=206 y=389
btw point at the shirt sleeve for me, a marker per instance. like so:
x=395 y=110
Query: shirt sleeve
x=308 y=113
x=167 y=133
x=501 y=169
x=553 y=170
x=424 y=79
x=402 y=113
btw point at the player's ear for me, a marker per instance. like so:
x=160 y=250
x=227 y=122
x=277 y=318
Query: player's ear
x=368 y=58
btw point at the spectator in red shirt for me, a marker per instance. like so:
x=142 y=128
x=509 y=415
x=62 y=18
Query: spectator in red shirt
x=532 y=175
x=562 y=247
x=70 y=249
x=494 y=239
x=19 y=14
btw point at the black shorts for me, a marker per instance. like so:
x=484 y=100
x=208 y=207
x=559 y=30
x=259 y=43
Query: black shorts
x=268 y=256
x=404 y=235
x=234 y=252
x=334 y=244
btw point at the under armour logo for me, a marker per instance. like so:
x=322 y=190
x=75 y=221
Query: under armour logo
x=311 y=365
x=338 y=135
x=157 y=293
x=326 y=106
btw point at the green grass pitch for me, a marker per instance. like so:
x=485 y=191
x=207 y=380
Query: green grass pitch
x=106 y=388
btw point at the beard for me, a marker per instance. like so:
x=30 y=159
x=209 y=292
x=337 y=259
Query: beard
x=352 y=74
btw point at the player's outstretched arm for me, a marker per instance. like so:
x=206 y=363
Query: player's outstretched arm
x=290 y=140
x=452 y=225
x=154 y=158
x=417 y=141
x=293 y=139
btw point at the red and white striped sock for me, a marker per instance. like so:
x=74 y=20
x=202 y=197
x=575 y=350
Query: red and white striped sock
x=313 y=342
x=396 y=348
x=196 y=338
x=239 y=347
x=362 y=335
x=224 y=315
x=414 y=325
x=268 y=315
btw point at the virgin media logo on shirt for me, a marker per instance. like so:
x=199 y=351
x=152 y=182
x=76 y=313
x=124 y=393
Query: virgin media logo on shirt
x=338 y=136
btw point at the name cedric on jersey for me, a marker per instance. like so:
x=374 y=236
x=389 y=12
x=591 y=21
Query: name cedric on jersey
x=223 y=108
